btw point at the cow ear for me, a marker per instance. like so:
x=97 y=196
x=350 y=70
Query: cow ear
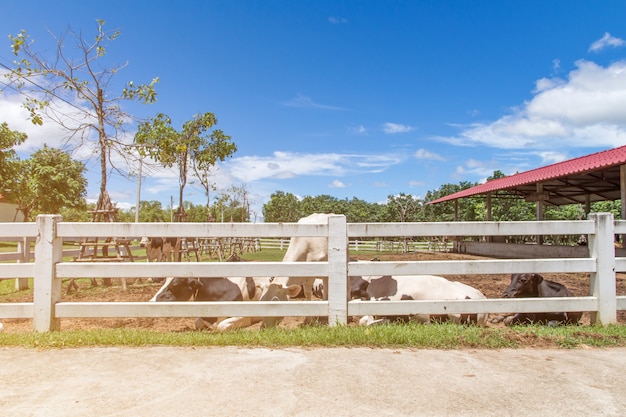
x=293 y=290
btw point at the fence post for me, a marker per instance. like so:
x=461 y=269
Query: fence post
x=23 y=247
x=337 y=270
x=602 y=282
x=46 y=288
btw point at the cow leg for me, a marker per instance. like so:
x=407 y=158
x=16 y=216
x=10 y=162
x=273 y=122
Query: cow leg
x=519 y=318
x=234 y=323
x=205 y=323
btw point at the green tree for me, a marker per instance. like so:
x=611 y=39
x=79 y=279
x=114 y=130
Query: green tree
x=81 y=78
x=444 y=212
x=152 y=211
x=320 y=204
x=360 y=211
x=196 y=213
x=403 y=208
x=282 y=207
x=8 y=157
x=46 y=182
x=198 y=144
x=78 y=214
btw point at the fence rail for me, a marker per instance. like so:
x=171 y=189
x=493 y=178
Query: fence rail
x=48 y=269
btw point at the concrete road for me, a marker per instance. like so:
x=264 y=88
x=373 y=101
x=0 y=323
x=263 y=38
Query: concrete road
x=165 y=381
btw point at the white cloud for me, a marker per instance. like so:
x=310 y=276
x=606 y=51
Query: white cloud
x=551 y=157
x=307 y=102
x=337 y=20
x=50 y=133
x=391 y=128
x=588 y=109
x=290 y=164
x=337 y=184
x=607 y=41
x=415 y=183
x=424 y=154
x=360 y=130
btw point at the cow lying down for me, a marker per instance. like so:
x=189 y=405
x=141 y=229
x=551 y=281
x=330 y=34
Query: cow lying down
x=415 y=287
x=222 y=289
x=534 y=285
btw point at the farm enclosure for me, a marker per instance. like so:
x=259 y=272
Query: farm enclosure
x=48 y=308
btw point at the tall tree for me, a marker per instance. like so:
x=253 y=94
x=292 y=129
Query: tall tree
x=198 y=144
x=46 y=182
x=78 y=75
x=8 y=157
x=282 y=207
x=403 y=207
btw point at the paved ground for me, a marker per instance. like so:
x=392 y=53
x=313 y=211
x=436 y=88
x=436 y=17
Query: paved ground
x=164 y=381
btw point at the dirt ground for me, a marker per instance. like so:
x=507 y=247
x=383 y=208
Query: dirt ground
x=490 y=285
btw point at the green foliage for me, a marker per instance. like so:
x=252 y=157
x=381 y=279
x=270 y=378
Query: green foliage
x=412 y=336
x=282 y=207
x=198 y=145
x=47 y=182
x=404 y=208
x=9 y=161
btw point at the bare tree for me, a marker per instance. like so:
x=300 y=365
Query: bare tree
x=79 y=79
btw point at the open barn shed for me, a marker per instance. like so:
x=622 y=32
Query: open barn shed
x=596 y=177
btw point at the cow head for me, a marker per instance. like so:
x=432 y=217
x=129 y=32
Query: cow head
x=178 y=289
x=358 y=288
x=523 y=286
x=277 y=292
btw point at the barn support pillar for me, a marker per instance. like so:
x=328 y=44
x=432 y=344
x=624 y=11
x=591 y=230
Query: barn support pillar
x=47 y=289
x=602 y=282
x=337 y=270
x=622 y=193
x=539 y=210
x=489 y=216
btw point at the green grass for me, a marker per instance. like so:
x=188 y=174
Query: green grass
x=411 y=336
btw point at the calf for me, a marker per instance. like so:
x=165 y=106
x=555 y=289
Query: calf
x=160 y=249
x=534 y=285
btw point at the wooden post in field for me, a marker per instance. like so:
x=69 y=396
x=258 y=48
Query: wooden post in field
x=603 y=280
x=337 y=270
x=47 y=289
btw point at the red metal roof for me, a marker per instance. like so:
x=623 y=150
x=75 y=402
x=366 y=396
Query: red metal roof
x=593 y=177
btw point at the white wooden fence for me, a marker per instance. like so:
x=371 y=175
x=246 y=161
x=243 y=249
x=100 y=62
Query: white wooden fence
x=48 y=269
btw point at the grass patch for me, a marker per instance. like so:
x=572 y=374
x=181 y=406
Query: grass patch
x=412 y=336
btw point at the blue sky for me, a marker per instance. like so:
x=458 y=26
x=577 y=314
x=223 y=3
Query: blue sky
x=360 y=99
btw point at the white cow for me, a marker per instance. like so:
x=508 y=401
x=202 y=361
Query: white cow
x=306 y=249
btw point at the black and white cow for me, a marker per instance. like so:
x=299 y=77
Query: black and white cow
x=416 y=287
x=534 y=285
x=161 y=249
x=221 y=289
